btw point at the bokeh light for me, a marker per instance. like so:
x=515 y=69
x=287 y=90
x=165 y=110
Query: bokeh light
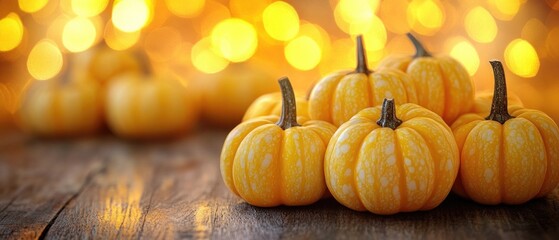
x=119 y=40
x=130 y=15
x=425 y=16
x=31 y=6
x=394 y=22
x=303 y=53
x=12 y=32
x=44 y=60
x=355 y=16
x=480 y=25
x=205 y=59
x=235 y=39
x=249 y=10
x=79 y=34
x=88 y=8
x=280 y=21
x=521 y=58
x=466 y=53
x=375 y=38
x=162 y=44
x=185 y=8
x=505 y=9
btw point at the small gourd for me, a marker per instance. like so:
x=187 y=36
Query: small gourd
x=388 y=160
x=442 y=83
x=340 y=95
x=506 y=157
x=269 y=161
x=270 y=104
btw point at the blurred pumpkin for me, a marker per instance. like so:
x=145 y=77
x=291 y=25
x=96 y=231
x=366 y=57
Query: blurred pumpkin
x=61 y=107
x=270 y=161
x=340 y=95
x=385 y=165
x=107 y=63
x=148 y=106
x=270 y=104
x=506 y=158
x=228 y=94
x=483 y=102
x=442 y=83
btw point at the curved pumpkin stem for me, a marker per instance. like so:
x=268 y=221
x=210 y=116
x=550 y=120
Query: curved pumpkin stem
x=499 y=111
x=361 y=57
x=288 y=117
x=420 y=51
x=388 y=115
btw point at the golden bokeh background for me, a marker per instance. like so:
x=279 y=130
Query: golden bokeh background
x=304 y=40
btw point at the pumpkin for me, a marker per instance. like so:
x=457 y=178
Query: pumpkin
x=442 y=83
x=106 y=63
x=61 y=107
x=149 y=106
x=388 y=160
x=339 y=96
x=270 y=161
x=227 y=95
x=270 y=104
x=483 y=100
x=506 y=157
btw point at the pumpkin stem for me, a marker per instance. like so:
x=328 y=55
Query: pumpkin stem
x=361 y=57
x=499 y=111
x=388 y=115
x=420 y=51
x=288 y=117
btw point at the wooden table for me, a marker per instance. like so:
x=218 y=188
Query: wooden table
x=108 y=188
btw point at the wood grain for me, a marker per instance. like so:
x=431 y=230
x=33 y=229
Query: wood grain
x=106 y=188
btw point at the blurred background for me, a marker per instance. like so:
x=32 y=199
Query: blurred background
x=202 y=40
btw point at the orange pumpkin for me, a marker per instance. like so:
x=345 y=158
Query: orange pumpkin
x=506 y=158
x=149 y=106
x=270 y=162
x=442 y=83
x=385 y=165
x=270 y=104
x=339 y=96
x=227 y=95
x=106 y=63
x=61 y=107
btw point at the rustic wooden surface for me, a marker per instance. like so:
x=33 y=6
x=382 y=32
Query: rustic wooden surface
x=106 y=188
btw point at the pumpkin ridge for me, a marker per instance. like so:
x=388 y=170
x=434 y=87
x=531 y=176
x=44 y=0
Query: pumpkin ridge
x=280 y=187
x=354 y=184
x=434 y=176
x=402 y=180
x=501 y=166
x=446 y=97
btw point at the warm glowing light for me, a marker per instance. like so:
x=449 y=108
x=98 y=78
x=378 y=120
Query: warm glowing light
x=466 y=53
x=214 y=13
x=162 y=44
x=185 y=8
x=235 y=39
x=249 y=10
x=535 y=32
x=44 y=60
x=355 y=16
x=375 y=38
x=78 y=34
x=394 y=22
x=88 y=8
x=303 y=53
x=280 y=21
x=31 y=6
x=480 y=25
x=551 y=42
x=342 y=56
x=205 y=59
x=521 y=58
x=317 y=33
x=119 y=40
x=130 y=15
x=425 y=16
x=505 y=9
x=12 y=32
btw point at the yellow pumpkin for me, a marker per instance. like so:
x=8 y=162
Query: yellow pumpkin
x=483 y=102
x=388 y=160
x=106 y=63
x=149 y=106
x=270 y=162
x=506 y=158
x=442 y=83
x=270 y=104
x=61 y=107
x=339 y=96
x=228 y=94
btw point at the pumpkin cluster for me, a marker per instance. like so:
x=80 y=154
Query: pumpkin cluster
x=397 y=139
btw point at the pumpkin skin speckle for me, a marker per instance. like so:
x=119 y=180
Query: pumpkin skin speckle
x=506 y=158
x=270 y=162
x=340 y=95
x=388 y=170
